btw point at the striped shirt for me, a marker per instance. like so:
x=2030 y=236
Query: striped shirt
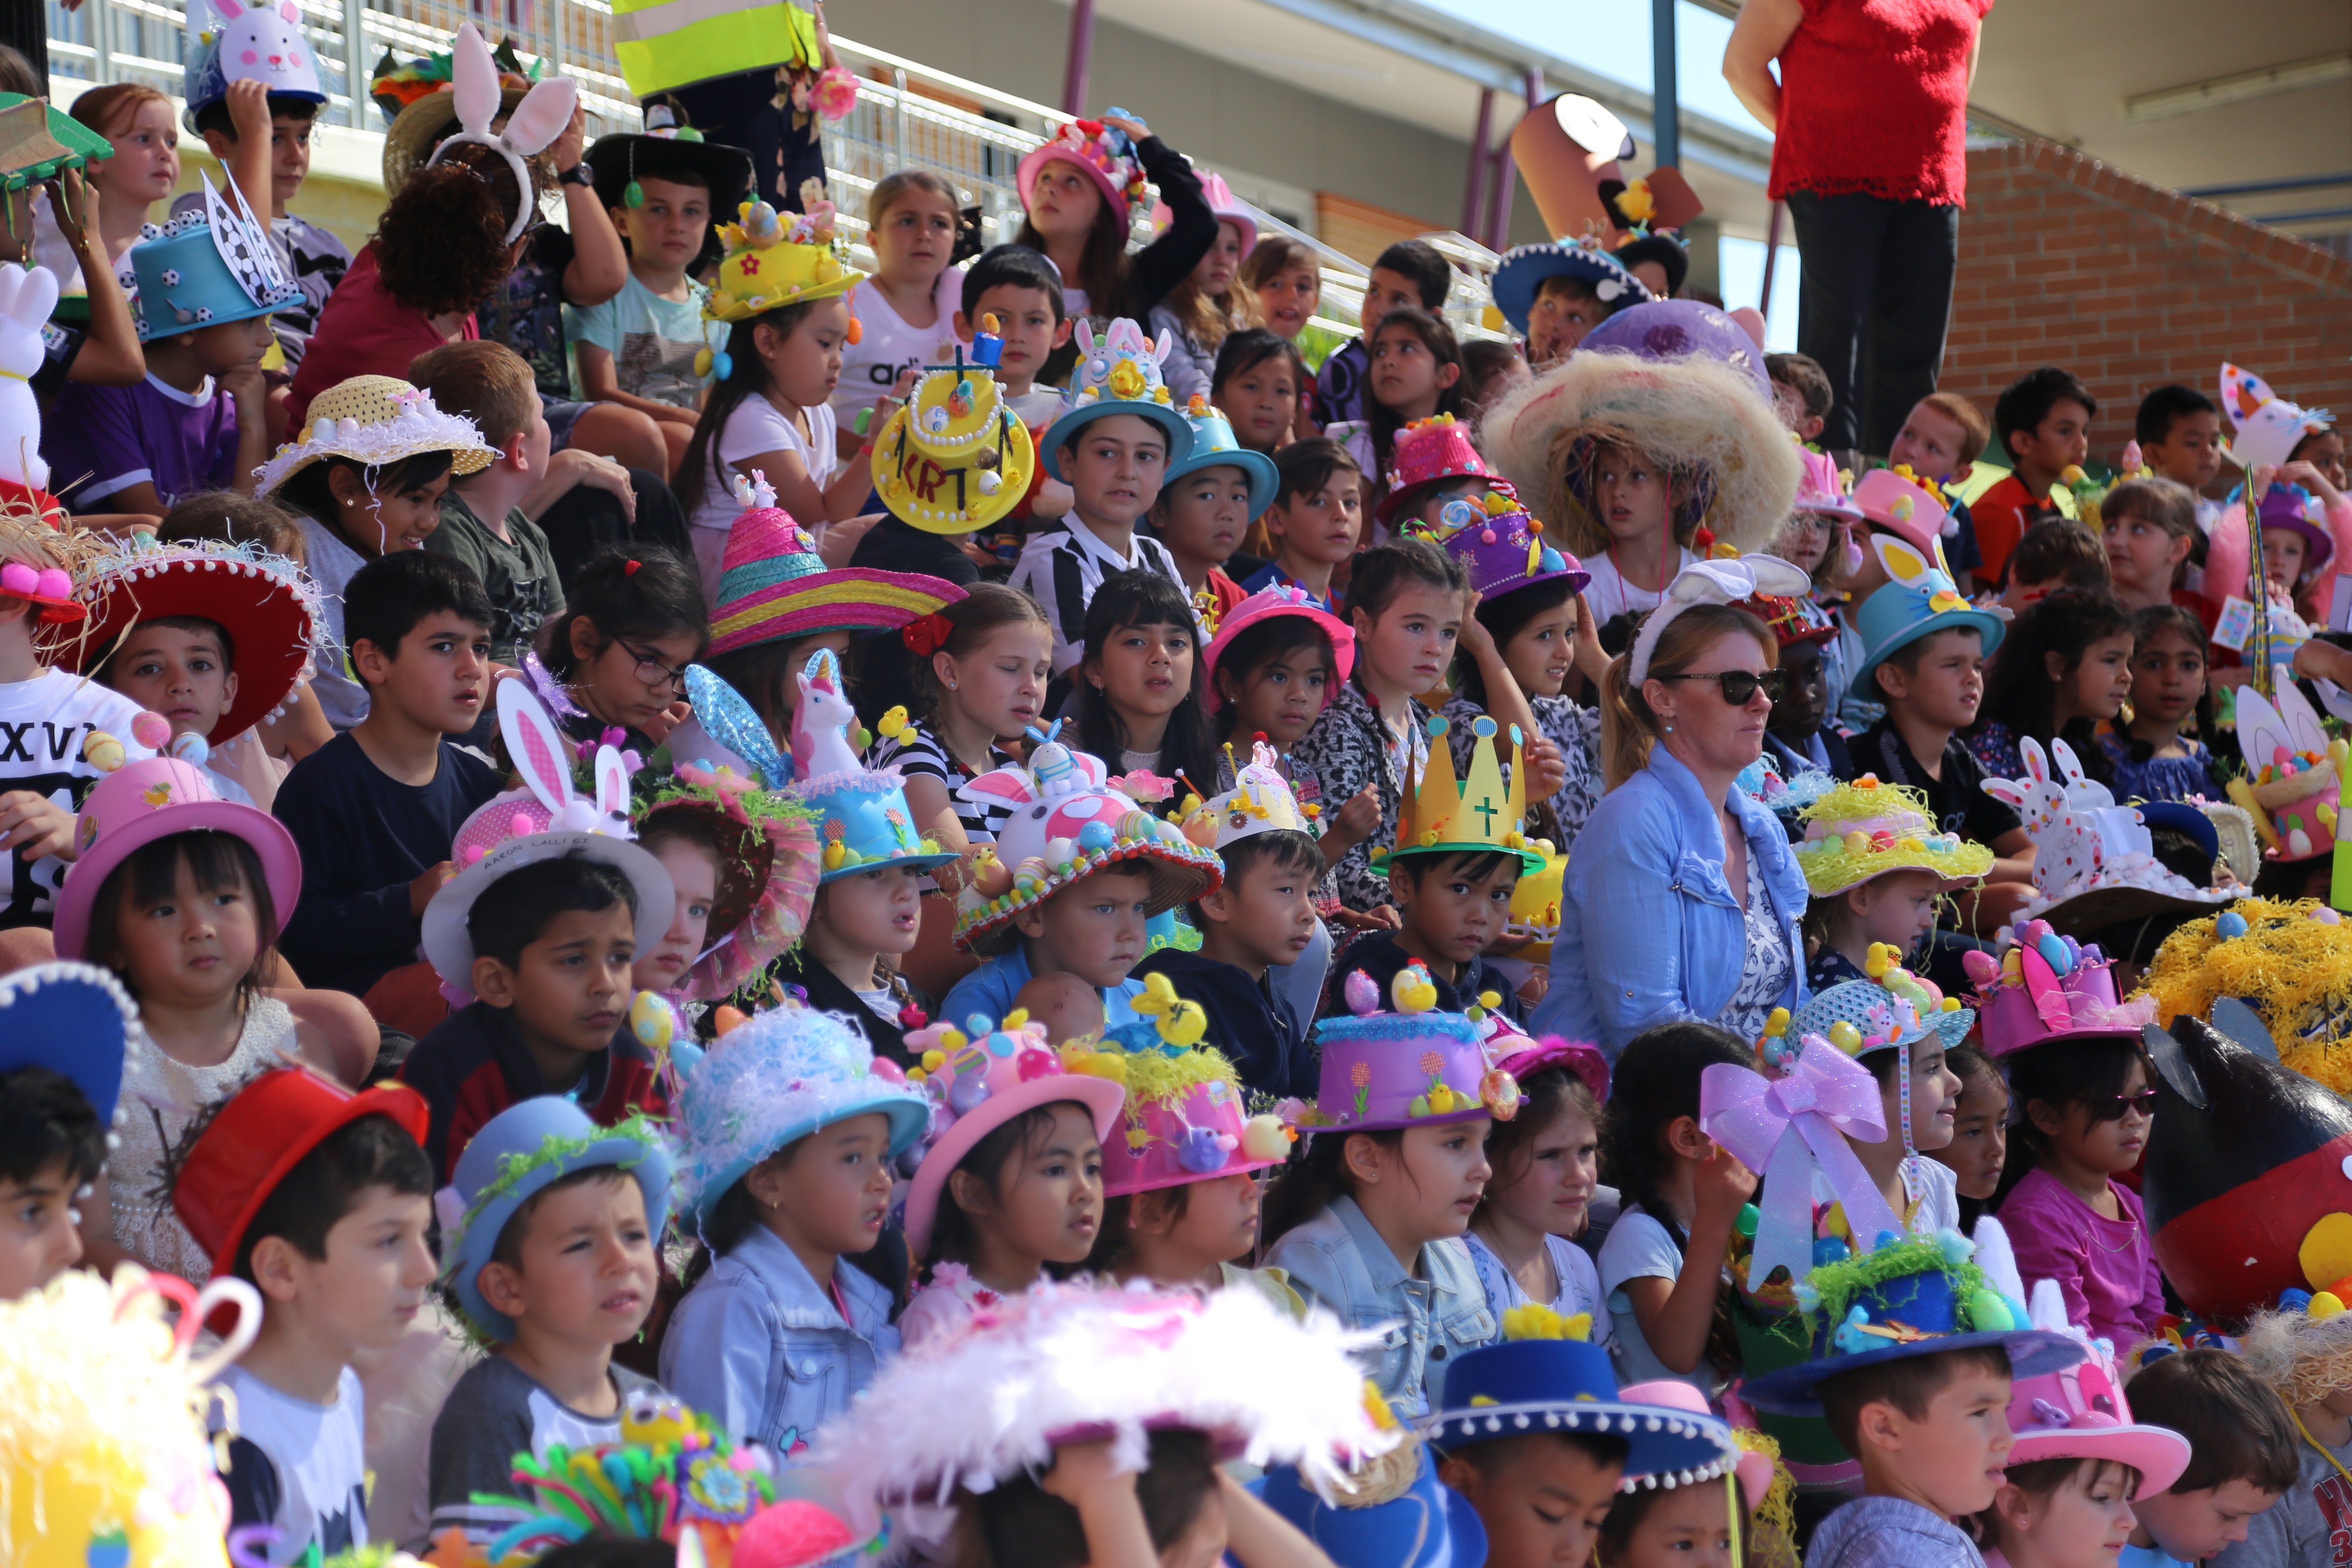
x=916 y=753
x=1062 y=567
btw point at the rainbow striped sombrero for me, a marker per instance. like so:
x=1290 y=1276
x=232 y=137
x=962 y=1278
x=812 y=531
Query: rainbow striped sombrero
x=773 y=584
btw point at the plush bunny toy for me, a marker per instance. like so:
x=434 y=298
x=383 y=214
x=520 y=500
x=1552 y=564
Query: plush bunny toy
x=537 y=121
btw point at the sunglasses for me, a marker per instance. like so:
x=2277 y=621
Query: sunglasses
x=2115 y=1106
x=1739 y=685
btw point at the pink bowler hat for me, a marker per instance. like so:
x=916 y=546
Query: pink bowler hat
x=1902 y=505
x=1428 y=451
x=978 y=1082
x=2082 y=1413
x=1754 y=1468
x=1278 y=600
x=1184 y=1124
x=144 y=800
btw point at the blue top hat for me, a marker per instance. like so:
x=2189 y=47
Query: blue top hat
x=1524 y=268
x=1567 y=1386
x=1431 y=1526
x=74 y=1019
x=517 y=1154
x=208 y=267
x=1901 y=1301
x=1213 y=446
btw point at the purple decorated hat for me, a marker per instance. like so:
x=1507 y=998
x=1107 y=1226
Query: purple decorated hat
x=1503 y=548
x=1679 y=328
x=1406 y=1068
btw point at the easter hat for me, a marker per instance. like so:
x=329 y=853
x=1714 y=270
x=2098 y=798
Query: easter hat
x=1411 y=1067
x=955 y=457
x=377 y=420
x=2297 y=511
x=1823 y=487
x=2081 y=1412
x=620 y=160
x=1260 y=802
x=531 y=125
x=1276 y=600
x=2042 y=986
x=2094 y=863
x=268 y=605
x=211 y=266
x=154 y=798
x=1429 y=452
x=1895 y=500
x=1545 y=1374
x=1119 y=373
x=472 y=88
x=1520 y=276
x=2295 y=787
x=768 y=864
x=1104 y=151
x=978 y=1082
x=1919 y=600
x=1413 y=1520
x=1185 y=1122
x=1865 y=829
x=259 y=42
x=2267 y=427
x=76 y=1020
x=1884 y=1013
x=863 y=818
x=1442 y=817
x=1223 y=206
x=255 y=1137
x=1213 y=446
x=773 y=587
x=774 y=1079
x=772 y=262
x=1795 y=619
x=517 y=1154
x=1504 y=549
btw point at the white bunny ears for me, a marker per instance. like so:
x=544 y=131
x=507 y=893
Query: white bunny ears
x=543 y=757
x=537 y=121
x=1714 y=583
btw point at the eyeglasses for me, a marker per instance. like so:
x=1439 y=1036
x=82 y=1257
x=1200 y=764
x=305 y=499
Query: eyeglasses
x=2115 y=1108
x=654 y=672
x=1739 y=685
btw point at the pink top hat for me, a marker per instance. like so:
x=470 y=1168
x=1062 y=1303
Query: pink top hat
x=2046 y=987
x=1184 y=1124
x=1901 y=505
x=1429 y=450
x=1276 y=601
x=144 y=800
x=1754 y=1468
x=1821 y=491
x=2082 y=1413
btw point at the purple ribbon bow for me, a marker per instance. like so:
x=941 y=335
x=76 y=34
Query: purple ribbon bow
x=1785 y=1131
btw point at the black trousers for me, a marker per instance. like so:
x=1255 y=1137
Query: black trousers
x=1874 y=306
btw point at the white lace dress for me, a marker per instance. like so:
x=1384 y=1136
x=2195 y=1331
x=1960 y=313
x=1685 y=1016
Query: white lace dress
x=162 y=1097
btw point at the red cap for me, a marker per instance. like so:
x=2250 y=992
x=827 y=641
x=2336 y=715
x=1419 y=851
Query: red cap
x=262 y=1133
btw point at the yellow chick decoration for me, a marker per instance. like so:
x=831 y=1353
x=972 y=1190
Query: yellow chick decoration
x=1537 y=1321
x=658 y=1422
x=1179 y=1024
x=891 y=725
x=1412 y=990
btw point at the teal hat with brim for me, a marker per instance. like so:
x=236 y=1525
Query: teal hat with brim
x=1869 y=1007
x=206 y=268
x=1213 y=446
x=1119 y=373
x=1919 y=600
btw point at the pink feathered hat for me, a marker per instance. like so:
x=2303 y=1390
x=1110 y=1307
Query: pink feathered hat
x=142 y=801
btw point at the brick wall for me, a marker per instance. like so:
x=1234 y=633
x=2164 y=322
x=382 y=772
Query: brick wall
x=2066 y=261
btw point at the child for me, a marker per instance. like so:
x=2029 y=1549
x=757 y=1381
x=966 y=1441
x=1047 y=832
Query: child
x=1202 y=309
x=1075 y=212
x=1552 y=295
x=1286 y=277
x=635 y=620
x=1817 y=533
x=2301 y=1361
x=2296 y=548
x=136 y=120
x=1979 y=1143
x=1139 y=685
x=2150 y=758
x=1316 y=522
x=197 y=422
x=1258 y=385
x=1415 y=374
x=553 y=1263
x=906 y=311
x=2044 y=420
x=1886 y=892
x=1801 y=734
x=868 y=898
x=788 y=1134
x=1433 y=461
x=366 y=476
x=2064 y=669
x=1661 y=1263
x=1208 y=503
x=1085 y=916
x=770 y=412
x=1940 y=441
x=1547 y=1164
x=1369 y=1223
x=2243 y=1448
x=1010 y=1184
x=533 y=939
x=319 y=1199
x=2179 y=435
x=1801 y=392
x=1912 y=511
x=1021 y=289
x=2056 y=554
x=2151 y=530
x=375 y=810
x=1260 y=942
x=1543 y=1493
x=740 y=869
x=1689 y=1525
x=1900 y=1032
x=59 y=1080
x=1410 y=274
x=1274 y=666
x=1404 y=604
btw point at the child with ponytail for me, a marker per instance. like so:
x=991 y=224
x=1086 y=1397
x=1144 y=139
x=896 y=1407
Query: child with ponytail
x=906 y=311
x=619 y=652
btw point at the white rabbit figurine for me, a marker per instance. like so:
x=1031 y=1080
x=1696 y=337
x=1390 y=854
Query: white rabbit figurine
x=27 y=295
x=2066 y=849
x=263 y=42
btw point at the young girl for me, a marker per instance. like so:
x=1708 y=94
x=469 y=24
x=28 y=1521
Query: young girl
x=1629 y=555
x=363 y=490
x=737 y=870
x=183 y=895
x=769 y=412
x=1075 y=195
x=1547 y=1164
x=1661 y=1264
x=1415 y=373
x=2151 y=527
x=136 y=121
x=1317 y=521
x=1205 y=308
x=1979 y=1133
x=1272 y=669
x=635 y=618
x=1884 y=893
x=2079 y=1461
x=2151 y=759
x=2086 y=1104
x=1140 y=705
x=1012 y=1181
x=1693 y=1526
x=1258 y=385
x=1207 y=503
x=789 y=1132
x=1904 y=1052
x=906 y=311
x=2065 y=669
x=1286 y=277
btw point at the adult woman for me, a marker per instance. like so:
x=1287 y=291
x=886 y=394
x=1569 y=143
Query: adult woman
x=1683 y=898
x=1870 y=158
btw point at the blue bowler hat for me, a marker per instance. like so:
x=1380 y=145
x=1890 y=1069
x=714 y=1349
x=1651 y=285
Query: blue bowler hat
x=1430 y=1526
x=1213 y=446
x=74 y=1019
x=1528 y=1385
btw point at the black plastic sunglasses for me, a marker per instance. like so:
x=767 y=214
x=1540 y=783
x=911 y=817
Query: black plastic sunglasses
x=1739 y=685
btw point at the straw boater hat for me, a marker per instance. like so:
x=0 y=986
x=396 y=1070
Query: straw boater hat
x=377 y=420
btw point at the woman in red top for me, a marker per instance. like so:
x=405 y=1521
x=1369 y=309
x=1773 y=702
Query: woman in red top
x=1868 y=153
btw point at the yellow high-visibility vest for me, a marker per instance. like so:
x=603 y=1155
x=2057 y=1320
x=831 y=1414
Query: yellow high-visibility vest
x=664 y=44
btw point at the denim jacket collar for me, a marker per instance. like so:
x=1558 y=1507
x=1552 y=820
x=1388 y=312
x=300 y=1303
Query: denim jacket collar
x=1380 y=1260
x=1767 y=839
x=800 y=1303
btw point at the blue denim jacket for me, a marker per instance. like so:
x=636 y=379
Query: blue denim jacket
x=1338 y=1261
x=1649 y=928
x=761 y=1348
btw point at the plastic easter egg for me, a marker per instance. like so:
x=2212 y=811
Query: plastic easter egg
x=967 y=1091
x=2229 y=925
x=151 y=731
x=2012 y=966
x=1360 y=993
x=1988 y=1314
x=2325 y=1304
x=1749 y=1217
x=1845 y=1036
x=685 y=1056
x=190 y=749
x=2293 y=1300
x=1059 y=853
x=652 y=1022
x=888 y=1070
x=102 y=751
x=1094 y=835
x=1420 y=1106
x=1499 y=1091
x=2054 y=954
x=725 y=1019
x=1830 y=1249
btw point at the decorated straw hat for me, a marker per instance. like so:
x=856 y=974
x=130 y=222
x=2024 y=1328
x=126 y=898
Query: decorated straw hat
x=377 y=420
x=1409 y=1068
x=955 y=457
x=773 y=587
x=1428 y=452
x=1795 y=619
x=1119 y=373
x=774 y=260
x=864 y=823
x=1104 y=151
x=419 y=100
x=1866 y=829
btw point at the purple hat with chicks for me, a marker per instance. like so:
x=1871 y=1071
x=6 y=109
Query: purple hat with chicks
x=1503 y=548
x=1680 y=328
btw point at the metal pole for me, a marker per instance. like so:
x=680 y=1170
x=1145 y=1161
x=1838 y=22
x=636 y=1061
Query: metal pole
x=1474 y=187
x=1771 y=255
x=1666 y=107
x=101 y=40
x=1082 y=53
x=356 y=65
x=1506 y=170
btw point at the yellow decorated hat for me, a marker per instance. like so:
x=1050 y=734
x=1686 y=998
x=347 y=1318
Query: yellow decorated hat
x=1535 y=906
x=1867 y=829
x=955 y=458
x=1446 y=815
x=772 y=262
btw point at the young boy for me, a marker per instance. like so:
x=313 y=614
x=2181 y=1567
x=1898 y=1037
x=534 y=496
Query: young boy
x=2043 y=420
x=375 y=810
x=319 y=1199
x=2305 y=1362
x=1114 y=452
x=1800 y=735
x=554 y=1263
x=2179 y=435
x=2056 y=553
x=1315 y=521
x=2243 y=1456
x=1801 y=390
x=1254 y=928
x=58 y=1093
x=1940 y=441
x=1411 y=272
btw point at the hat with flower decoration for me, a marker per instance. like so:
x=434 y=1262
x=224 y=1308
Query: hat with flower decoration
x=773 y=260
x=768 y=867
x=207 y=268
x=1104 y=151
x=1442 y=816
x=1409 y=1068
x=956 y=457
x=1430 y=452
x=1920 y=600
x=1866 y=829
x=377 y=421
x=863 y=820
x=1119 y=373
x=1503 y=548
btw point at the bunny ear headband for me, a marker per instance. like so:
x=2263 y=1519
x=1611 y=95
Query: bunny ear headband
x=1714 y=583
x=537 y=121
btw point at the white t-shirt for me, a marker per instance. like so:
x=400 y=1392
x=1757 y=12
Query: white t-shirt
x=299 y=1466
x=1608 y=597
x=44 y=723
x=1639 y=1247
x=887 y=345
x=757 y=426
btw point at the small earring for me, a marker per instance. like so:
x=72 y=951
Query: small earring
x=952 y=686
x=1670 y=729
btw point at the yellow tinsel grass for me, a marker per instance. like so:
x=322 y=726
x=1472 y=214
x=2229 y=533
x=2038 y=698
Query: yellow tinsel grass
x=2294 y=971
x=1773 y=1541
x=1831 y=866
x=1164 y=1078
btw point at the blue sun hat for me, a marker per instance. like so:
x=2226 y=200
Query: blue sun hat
x=517 y=1155
x=1524 y=268
x=74 y=1019
x=1119 y=373
x=1427 y=1525
x=773 y=1081
x=1213 y=446
x=863 y=820
x=208 y=266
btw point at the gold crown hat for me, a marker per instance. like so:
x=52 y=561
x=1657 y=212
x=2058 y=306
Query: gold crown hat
x=377 y=420
x=955 y=458
x=1259 y=801
x=1443 y=817
x=772 y=263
